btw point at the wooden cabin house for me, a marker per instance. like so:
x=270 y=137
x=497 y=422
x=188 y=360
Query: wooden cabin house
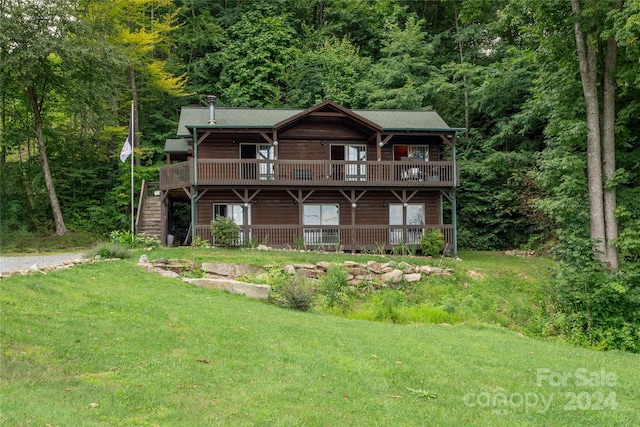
x=325 y=177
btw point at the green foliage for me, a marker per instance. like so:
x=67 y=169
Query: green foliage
x=298 y=243
x=252 y=242
x=225 y=231
x=628 y=241
x=393 y=306
x=258 y=53
x=600 y=308
x=432 y=243
x=199 y=242
x=404 y=248
x=132 y=241
x=334 y=287
x=292 y=292
x=332 y=70
x=110 y=251
x=398 y=80
x=522 y=166
x=298 y=292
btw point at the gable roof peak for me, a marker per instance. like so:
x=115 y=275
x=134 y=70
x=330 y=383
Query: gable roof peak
x=329 y=106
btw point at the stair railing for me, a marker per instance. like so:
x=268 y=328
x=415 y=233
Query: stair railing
x=143 y=195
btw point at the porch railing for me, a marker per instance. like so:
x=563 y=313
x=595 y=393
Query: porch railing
x=309 y=172
x=334 y=237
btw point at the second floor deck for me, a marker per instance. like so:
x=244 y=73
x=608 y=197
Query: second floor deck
x=312 y=173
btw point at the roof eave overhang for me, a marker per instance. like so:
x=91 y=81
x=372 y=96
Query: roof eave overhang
x=433 y=130
x=208 y=127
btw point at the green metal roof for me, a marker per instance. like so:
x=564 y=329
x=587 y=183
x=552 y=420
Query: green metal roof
x=405 y=119
x=176 y=145
x=232 y=118
x=388 y=120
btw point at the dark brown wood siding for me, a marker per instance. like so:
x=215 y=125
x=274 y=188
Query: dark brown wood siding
x=278 y=207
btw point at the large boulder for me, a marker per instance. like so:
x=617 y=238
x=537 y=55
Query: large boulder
x=392 y=277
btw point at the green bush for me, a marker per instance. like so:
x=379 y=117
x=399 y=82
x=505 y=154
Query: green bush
x=601 y=308
x=109 y=250
x=432 y=243
x=292 y=292
x=334 y=286
x=199 y=242
x=225 y=231
x=298 y=293
x=129 y=240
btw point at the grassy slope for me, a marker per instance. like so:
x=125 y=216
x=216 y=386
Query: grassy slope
x=153 y=351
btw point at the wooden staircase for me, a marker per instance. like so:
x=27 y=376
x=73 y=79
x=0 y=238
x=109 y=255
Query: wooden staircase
x=149 y=216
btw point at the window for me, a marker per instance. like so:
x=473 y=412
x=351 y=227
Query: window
x=234 y=211
x=414 y=216
x=354 y=156
x=412 y=153
x=323 y=216
x=264 y=168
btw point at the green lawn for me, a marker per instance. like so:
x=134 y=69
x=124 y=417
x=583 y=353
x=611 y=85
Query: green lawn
x=109 y=344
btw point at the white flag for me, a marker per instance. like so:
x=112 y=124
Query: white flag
x=126 y=151
x=128 y=144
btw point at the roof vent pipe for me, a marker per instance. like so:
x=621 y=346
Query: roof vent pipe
x=212 y=108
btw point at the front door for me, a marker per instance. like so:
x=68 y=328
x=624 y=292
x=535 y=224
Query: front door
x=406 y=216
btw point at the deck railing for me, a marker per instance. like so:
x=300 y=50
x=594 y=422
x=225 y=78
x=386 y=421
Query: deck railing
x=376 y=238
x=314 y=173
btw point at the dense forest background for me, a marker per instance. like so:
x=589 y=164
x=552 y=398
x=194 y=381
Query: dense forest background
x=548 y=90
x=506 y=70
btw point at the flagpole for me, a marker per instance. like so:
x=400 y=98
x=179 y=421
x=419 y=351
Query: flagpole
x=133 y=138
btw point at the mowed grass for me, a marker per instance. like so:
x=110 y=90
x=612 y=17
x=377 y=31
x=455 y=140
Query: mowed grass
x=109 y=344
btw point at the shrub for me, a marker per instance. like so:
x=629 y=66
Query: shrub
x=199 y=242
x=431 y=243
x=601 y=308
x=297 y=293
x=334 y=286
x=109 y=250
x=298 y=243
x=225 y=231
x=129 y=240
x=293 y=292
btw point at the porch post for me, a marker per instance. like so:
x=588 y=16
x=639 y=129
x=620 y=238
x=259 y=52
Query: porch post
x=164 y=217
x=455 y=223
x=194 y=193
x=453 y=196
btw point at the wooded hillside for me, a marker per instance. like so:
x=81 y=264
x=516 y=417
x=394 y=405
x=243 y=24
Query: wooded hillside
x=508 y=71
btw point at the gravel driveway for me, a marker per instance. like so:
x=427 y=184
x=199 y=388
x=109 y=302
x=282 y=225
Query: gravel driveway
x=24 y=263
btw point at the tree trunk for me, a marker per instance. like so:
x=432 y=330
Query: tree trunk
x=609 y=146
x=134 y=96
x=3 y=129
x=587 y=60
x=464 y=81
x=36 y=105
x=609 y=150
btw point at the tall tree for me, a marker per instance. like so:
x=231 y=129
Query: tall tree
x=139 y=31
x=259 y=53
x=600 y=122
x=398 y=80
x=36 y=35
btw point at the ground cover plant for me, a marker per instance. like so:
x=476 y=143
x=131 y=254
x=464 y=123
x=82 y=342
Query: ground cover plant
x=109 y=344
